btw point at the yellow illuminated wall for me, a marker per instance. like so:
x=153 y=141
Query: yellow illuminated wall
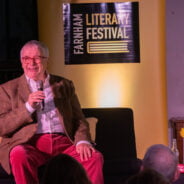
x=140 y=86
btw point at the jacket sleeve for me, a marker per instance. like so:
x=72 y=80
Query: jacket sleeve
x=82 y=131
x=13 y=113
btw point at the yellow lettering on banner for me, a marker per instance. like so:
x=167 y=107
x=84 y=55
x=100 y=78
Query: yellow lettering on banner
x=87 y=20
x=77 y=17
x=100 y=33
x=125 y=19
x=106 y=33
x=88 y=33
x=78 y=41
x=94 y=34
x=107 y=19
x=77 y=49
x=125 y=33
x=78 y=34
x=102 y=19
x=114 y=19
x=96 y=19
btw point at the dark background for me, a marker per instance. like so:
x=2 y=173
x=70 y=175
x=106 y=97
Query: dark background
x=18 y=24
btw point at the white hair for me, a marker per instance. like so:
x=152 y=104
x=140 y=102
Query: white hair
x=41 y=46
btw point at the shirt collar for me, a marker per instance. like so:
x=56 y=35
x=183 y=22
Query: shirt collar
x=33 y=84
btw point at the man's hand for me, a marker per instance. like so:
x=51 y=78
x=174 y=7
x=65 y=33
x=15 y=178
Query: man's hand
x=85 y=150
x=35 y=98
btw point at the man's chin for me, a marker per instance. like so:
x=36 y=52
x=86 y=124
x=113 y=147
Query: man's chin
x=33 y=76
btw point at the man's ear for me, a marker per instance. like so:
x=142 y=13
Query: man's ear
x=176 y=174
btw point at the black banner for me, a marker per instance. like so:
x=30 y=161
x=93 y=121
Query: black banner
x=101 y=33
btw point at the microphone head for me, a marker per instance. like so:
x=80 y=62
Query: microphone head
x=40 y=85
x=40 y=88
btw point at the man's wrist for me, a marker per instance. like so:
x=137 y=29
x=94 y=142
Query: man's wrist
x=29 y=108
x=80 y=142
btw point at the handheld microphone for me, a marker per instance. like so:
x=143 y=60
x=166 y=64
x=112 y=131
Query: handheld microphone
x=40 y=88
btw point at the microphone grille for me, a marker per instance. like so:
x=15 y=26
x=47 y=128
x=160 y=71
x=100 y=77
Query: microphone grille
x=40 y=85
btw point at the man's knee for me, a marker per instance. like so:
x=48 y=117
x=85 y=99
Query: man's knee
x=17 y=154
x=98 y=156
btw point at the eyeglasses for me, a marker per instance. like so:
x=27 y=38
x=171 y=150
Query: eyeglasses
x=36 y=59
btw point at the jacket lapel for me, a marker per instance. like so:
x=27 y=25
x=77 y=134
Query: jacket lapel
x=59 y=92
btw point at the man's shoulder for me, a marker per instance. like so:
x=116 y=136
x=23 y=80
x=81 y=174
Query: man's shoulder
x=59 y=81
x=12 y=82
x=57 y=78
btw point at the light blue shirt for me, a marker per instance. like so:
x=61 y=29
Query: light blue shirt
x=48 y=119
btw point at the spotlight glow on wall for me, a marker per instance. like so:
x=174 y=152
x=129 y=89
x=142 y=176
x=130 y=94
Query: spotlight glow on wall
x=110 y=90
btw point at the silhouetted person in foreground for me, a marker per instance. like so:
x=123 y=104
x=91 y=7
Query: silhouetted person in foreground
x=147 y=176
x=63 y=169
x=161 y=159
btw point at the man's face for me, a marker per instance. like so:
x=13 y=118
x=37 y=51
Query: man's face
x=34 y=62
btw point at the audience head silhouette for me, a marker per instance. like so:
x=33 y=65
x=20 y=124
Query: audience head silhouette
x=147 y=176
x=163 y=160
x=63 y=169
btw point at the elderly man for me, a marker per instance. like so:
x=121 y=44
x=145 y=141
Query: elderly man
x=40 y=117
x=161 y=159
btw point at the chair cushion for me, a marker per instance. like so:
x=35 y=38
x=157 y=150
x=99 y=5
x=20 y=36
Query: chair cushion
x=92 y=126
